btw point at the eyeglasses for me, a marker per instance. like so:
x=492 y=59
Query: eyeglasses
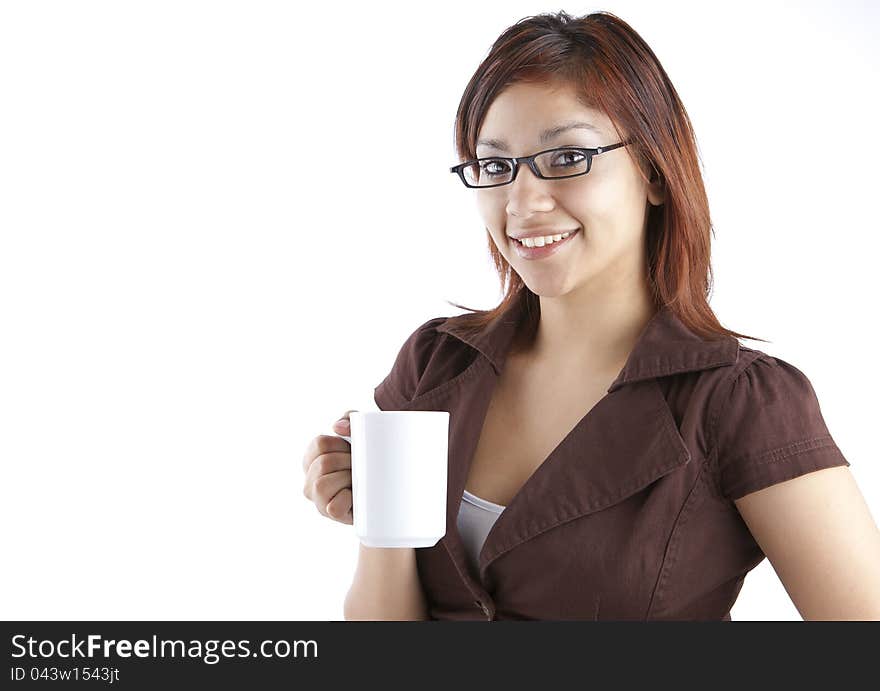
x=551 y=164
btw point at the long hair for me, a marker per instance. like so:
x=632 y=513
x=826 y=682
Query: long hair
x=614 y=71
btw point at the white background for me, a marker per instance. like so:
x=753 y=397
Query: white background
x=220 y=220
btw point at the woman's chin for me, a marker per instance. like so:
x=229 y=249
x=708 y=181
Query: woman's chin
x=547 y=286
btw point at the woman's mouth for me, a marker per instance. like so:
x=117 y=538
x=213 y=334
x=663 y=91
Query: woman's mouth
x=541 y=252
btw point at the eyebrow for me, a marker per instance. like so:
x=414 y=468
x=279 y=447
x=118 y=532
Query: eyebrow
x=546 y=135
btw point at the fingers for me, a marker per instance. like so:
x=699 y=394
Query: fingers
x=323 y=443
x=326 y=464
x=326 y=443
x=325 y=490
x=328 y=486
x=327 y=467
x=340 y=506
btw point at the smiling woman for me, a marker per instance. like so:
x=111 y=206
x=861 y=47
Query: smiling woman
x=593 y=85
x=614 y=451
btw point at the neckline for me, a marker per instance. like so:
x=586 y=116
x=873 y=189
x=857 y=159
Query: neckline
x=539 y=476
x=482 y=503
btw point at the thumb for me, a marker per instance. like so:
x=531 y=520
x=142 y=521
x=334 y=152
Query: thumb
x=343 y=422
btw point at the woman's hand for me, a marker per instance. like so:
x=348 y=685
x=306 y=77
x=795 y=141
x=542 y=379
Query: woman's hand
x=327 y=465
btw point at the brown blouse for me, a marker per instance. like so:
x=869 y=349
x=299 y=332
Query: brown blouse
x=631 y=516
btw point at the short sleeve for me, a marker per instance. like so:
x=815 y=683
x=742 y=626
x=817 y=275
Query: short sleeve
x=770 y=429
x=400 y=386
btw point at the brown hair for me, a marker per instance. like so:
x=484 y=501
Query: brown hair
x=614 y=71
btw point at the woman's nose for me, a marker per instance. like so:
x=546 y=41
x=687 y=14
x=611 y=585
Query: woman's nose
x=528 y=193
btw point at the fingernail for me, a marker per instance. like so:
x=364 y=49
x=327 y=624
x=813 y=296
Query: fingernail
x=341 y=423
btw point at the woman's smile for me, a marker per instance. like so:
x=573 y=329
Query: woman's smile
x=542 y=252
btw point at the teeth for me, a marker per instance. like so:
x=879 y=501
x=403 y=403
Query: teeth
x=541 y=241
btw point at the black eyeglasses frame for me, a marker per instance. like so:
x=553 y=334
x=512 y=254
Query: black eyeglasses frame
x=530 y=161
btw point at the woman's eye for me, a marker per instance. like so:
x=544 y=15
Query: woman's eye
x=495 y=168
x=576 y=158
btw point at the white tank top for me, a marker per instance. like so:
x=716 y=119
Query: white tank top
x=476 y=517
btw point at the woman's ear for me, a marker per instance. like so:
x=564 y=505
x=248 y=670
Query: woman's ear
x=656 y=188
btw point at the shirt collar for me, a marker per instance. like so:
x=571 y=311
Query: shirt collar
x=665 y=346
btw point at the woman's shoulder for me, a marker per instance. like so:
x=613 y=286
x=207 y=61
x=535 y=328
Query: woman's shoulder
x=757 y=365
x=428 y=357
x=756 y=379
x=766 y=424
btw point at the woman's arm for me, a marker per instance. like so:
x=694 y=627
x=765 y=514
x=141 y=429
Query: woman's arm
x=820 y=537
x=386 y=586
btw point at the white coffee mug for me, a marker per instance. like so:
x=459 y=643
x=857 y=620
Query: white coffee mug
x=399 y=462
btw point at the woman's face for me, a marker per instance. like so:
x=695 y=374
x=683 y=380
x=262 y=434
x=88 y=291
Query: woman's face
x=607 y=206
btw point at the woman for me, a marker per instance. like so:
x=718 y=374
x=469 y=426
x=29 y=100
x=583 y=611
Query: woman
x=615 y=453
